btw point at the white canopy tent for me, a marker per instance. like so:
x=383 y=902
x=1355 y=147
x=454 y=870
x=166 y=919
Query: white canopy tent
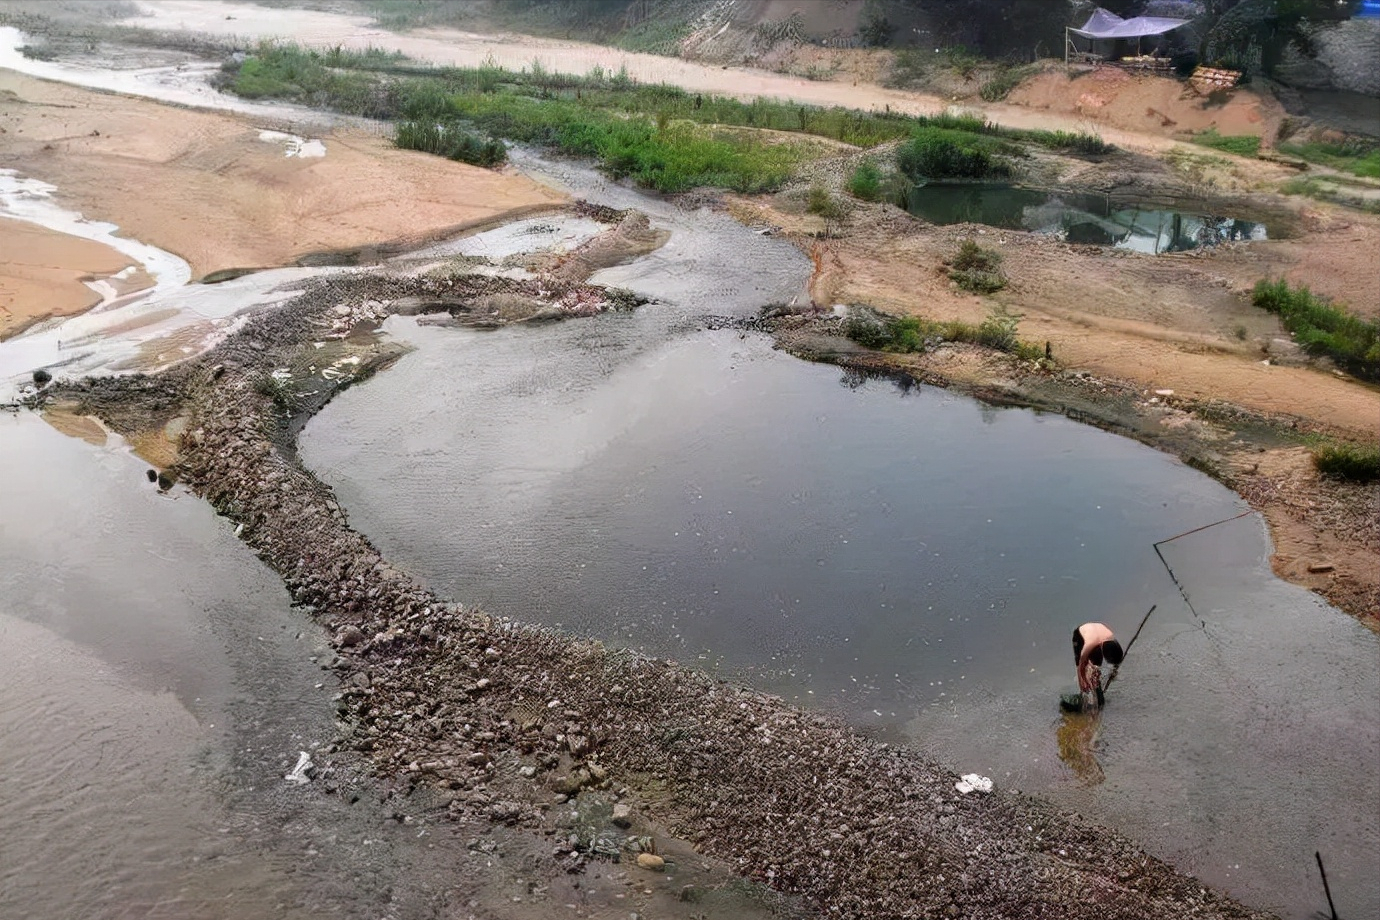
x=1103 y=25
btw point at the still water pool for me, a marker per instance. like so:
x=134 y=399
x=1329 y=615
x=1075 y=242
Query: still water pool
x=1081 y=217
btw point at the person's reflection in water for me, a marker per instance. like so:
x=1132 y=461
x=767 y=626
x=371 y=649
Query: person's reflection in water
x=1078 y=733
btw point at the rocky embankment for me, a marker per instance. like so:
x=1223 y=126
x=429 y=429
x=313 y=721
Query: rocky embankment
x=504 y=720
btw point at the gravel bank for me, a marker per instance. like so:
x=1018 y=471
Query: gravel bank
x=505 y=720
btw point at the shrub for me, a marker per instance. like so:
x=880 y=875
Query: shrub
x=1001 y=85
x=1348 y=461
x=998 y=330
x=912 y=333
x=944 y=153
x=1322 y=328
x=866 y=182
x=977 y=270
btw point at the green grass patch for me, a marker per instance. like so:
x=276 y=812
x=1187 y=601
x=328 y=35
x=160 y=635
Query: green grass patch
x=1322 y=328
x=948 y=153
x=1321 y=189
x=450 y=140
x=661 y=136
x=1360 y=158
x=866 y=182
x=1352 y=462
x=1243 y=145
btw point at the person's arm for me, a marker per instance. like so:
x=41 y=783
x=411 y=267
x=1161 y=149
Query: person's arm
x=1086 y=683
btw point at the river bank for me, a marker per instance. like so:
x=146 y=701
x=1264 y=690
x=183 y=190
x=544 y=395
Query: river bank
x=469 y=707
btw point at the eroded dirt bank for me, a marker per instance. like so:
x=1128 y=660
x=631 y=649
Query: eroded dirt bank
x=506 y=720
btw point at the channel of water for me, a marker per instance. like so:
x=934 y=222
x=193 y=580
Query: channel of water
x=909 y=559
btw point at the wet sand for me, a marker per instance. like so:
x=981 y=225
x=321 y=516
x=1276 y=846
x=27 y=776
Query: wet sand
x=42 y=274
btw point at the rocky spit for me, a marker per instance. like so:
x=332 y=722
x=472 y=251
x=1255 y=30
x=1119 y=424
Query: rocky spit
x=501 y=720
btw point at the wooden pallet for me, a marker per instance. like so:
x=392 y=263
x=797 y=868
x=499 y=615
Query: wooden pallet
x=1207 y=79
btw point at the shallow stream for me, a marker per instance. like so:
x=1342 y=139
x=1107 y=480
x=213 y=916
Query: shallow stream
x=909 y=559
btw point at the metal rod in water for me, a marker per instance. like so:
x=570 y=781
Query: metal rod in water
x=1326 y=888
x=1117 y=670
x=1178 y=584
x=1206 y=526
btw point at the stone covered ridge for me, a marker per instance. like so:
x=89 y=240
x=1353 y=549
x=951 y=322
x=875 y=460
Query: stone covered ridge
x=442 y=695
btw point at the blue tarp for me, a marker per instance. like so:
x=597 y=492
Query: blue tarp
x=1102 y=24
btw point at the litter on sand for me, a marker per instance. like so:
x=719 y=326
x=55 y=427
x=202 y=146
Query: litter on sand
x=972 y=782
x=299 y=772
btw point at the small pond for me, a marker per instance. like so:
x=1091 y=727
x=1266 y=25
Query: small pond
x=1082 y=217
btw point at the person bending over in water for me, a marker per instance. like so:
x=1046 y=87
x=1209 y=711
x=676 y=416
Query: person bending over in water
x=1093 y=643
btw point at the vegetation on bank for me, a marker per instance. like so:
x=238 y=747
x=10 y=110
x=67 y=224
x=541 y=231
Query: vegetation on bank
x=909 y=334
x=1351 y=462
x=1243 y=145
x=1355 y=156
x=1322 y=328
x=977 y=269
x=961 y=146
x=662 y=136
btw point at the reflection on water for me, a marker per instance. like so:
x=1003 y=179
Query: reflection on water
x=1080 y=217
x=1078 y=737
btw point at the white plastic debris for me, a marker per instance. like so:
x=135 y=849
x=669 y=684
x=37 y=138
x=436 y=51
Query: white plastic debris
x=972 y=782
x=299 y=772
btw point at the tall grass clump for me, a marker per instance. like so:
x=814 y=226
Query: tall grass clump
x=1351 y=462
x=1322 y=328
x=866 y=182
x=1084 y=142
x=1001 y=84
x=452 y=141
x=946 y=153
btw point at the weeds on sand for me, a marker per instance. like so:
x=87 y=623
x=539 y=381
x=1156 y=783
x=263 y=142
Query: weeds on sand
x=978 y=270
x=1322 y=328
x=907 y=334
x=1352 y=462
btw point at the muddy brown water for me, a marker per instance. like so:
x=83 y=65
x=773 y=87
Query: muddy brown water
x=155 y=688
x=907 y=558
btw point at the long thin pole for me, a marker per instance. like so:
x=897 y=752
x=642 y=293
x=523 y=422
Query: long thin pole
x=1326 y=888
x=1117 y=669
x=1178 y=584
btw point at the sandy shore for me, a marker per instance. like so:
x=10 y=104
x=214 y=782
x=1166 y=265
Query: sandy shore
x=209 y=188
x=42 y=274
